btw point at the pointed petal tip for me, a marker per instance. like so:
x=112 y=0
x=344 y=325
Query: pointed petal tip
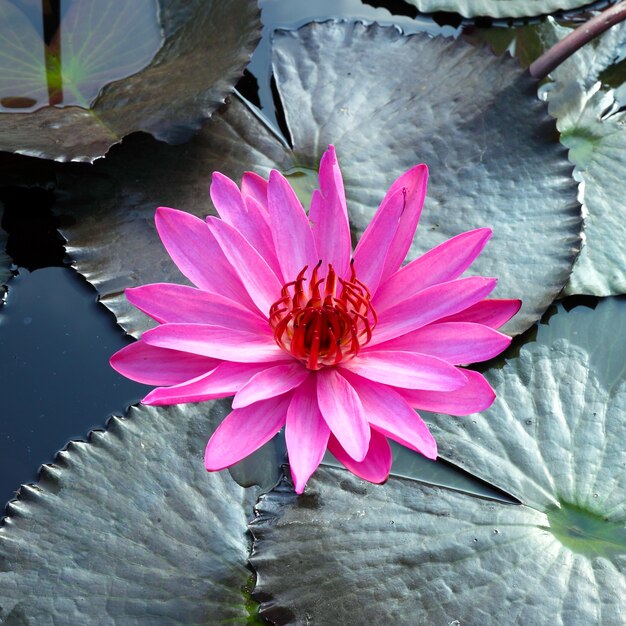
x=212 y=462
x=299 y=483
x=419 y=170
x=154 y=399
x=430 y=451
x=164 y=212
x=484 y=233
x=330 y=151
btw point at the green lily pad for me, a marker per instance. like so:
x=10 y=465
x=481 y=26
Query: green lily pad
x=118 y=67
x=350 y=552
x=594 y=129
x=387 y=102
x=497 y=8
x=586 y=96
x=130 y=528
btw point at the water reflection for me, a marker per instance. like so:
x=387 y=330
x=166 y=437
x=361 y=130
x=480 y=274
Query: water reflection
x=63 y=52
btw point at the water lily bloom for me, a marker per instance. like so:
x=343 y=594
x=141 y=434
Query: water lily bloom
x=337 y=346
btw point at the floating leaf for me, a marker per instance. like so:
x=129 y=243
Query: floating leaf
x=409 y=554
x=497 y=8
x=387 y=102
x=594 y=129
x=130 y=528
x=107 y=73
x=585 y=98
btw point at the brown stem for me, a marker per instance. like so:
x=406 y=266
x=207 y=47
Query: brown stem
x=560 y=51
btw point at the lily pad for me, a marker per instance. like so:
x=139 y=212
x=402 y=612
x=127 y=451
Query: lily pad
x=119 y=67
x=593 y=127
x=497 y=8
x=387 y=102
x=350 y=552
x=129 y=527
x=586 y=95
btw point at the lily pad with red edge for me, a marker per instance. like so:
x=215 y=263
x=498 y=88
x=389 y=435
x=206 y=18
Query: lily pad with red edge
x=129 y=527
x=553 y=438
x=118 y=67
x=473 y=118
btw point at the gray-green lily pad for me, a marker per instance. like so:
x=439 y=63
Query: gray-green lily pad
x=118 y=67
x=585 y=94
x=593 y=127
x=387 y=102
x=497 y=8
x=128 y=528
x=350 y=552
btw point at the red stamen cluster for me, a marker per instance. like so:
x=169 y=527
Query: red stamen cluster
x=323 y=329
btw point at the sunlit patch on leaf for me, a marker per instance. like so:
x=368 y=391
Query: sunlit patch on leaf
x=117 y=67
x=129 y=527
x=92 y=46
x=553 y=438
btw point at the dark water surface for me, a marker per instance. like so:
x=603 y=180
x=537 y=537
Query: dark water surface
x=56 y=383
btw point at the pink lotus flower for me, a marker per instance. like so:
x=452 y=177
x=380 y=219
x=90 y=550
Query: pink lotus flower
x=337 y=347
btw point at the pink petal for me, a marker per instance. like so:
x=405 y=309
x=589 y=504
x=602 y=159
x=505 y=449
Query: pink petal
x=291 y=231
x=389 y=414
x=225 y=380
x=271 y=382
x=414 y=182
x=266 y=247
x=371 y=251
x=218 y=342
x=245 y=430
x=166 y=302
x=197 y=254
x=406 y=369
x=493 y=313
x=246 y=217
x=454 y=342
x=158 y=366
x=430 y=305
x=476 y=396
x=341 y=408
x=329 y=216
x=375 y=465
x=440 y=265
x=306 y=434
x=254 y=186
x=255 y=274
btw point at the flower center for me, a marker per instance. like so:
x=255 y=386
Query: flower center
x=318 y=326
